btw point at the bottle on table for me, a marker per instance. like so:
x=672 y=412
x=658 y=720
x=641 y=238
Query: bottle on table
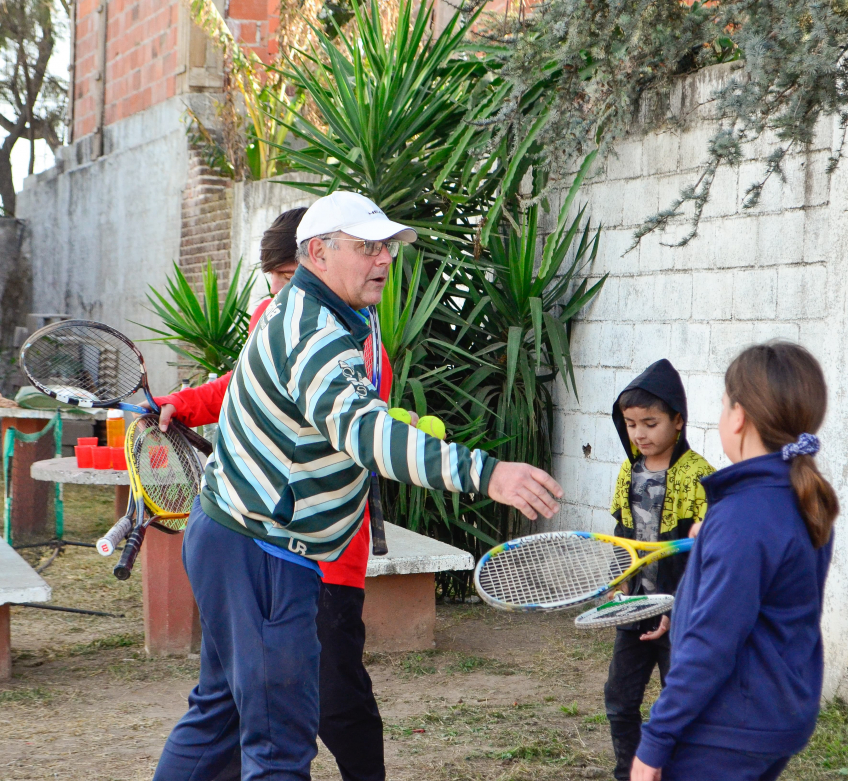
x=115 y=428
x=211 y=430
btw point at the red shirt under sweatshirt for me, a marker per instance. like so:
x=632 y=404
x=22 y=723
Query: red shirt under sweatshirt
x=201 y=406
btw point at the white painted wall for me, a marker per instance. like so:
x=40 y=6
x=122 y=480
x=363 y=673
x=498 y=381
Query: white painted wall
x=775 y=271
x=101 y=231
x=255 y=206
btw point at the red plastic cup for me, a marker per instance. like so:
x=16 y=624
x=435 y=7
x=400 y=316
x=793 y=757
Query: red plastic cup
x=119 y=460
x=158 y=455
x=87 y=441
x=85 y=456
x=102 y=457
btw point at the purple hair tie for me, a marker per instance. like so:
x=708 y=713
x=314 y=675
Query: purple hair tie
x=807 y=445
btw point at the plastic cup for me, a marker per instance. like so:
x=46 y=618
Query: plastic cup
x=119 y=460
x=102 y=457
x=85 y=456
x=87 y=441
x=158 y=455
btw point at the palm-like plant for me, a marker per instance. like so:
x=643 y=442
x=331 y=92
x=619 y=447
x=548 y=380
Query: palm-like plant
x=207 y=334
x=489 y=363
x=389 y=105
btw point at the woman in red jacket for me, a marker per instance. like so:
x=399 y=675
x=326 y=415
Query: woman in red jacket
x=350 y=724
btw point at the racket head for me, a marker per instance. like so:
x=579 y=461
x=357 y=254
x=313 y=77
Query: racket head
x=550 y=571
x=625 y=610
x=83 y=363
x=168 y=471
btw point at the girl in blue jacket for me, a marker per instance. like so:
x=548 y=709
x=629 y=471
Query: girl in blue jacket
x=742 y=694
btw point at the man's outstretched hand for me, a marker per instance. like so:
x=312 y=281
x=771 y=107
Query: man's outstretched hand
x=527 y=489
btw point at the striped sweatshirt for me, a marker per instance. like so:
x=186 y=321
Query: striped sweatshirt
x=301 y=427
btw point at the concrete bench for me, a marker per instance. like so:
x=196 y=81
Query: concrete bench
x=400 y=590
x=18 y=583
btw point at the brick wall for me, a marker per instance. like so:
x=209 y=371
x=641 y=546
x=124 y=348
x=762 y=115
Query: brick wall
x=776 y=271
x=207 y=205
x=141 y=58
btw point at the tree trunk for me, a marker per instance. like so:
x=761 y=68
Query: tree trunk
x=7 y=184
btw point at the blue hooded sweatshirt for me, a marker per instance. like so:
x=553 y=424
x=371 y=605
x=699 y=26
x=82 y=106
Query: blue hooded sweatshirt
x=747 y=661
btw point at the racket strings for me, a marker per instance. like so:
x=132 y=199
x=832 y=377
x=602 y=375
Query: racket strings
x=83 y=362
x=168 y=471
x=553 y=571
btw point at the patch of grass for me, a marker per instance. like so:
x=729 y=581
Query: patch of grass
x=548 y=748
x=826 y=756
x=467 y=664
x=36 y=695
x=420 y=663
x=570 y=710
x=595 y=718
x=104 y=644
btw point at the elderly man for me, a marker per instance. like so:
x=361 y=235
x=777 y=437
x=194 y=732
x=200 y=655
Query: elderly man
x=301 y=428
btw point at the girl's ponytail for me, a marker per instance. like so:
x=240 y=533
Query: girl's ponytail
x=816 y=497
x=782 y=389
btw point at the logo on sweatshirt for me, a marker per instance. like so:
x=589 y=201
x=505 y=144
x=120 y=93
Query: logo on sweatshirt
x=355 y=378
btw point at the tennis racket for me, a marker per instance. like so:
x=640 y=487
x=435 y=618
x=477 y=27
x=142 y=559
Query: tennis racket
x=118 y=533
x=90 y=365
x=555 y=570
x=379 y=546
x=165 y=475
x=624 y=610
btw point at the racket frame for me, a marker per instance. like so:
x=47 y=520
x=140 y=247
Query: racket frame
x=655 y=552
x=607 y=615
x=203 y=445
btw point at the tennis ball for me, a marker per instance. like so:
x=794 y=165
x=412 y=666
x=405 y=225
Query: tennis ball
x=432 y=425
x=400 y=414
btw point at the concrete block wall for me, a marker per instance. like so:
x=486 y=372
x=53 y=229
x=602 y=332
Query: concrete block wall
x=776 y=271
x=255 y=206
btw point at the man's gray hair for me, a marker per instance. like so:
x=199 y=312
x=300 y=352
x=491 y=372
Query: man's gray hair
x=303 y=247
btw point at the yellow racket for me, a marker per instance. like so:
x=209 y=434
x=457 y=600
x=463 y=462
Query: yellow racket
x=165 y=474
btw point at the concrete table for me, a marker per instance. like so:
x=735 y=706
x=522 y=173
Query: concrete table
x=32 y=524
x=18 y=583
x=171 y=619
x=65 y=470
x=400 y=590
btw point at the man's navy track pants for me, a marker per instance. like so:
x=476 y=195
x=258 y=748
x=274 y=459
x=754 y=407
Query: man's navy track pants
x=259 y=661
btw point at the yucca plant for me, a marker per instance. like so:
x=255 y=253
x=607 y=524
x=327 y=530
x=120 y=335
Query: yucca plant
x=389 y=105
x=488 y=364
x=207 y=334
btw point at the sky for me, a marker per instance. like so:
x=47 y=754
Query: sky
x=43 y=156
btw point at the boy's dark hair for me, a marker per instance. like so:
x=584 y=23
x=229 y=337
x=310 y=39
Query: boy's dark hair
x=279 y=242
x=637 y=397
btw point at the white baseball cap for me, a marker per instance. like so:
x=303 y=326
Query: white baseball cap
x=354 y=214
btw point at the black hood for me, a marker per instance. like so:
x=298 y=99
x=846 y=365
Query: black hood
x=661 y=379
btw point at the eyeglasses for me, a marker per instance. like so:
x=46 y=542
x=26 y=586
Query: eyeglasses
x=374 y=248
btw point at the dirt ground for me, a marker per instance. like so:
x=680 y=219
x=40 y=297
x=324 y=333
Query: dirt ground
x=512 y=698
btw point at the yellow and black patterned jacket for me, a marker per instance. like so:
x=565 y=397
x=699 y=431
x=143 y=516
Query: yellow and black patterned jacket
x=685 y=502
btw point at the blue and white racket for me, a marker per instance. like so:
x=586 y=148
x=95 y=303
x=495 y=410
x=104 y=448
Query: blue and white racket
x=556 y=570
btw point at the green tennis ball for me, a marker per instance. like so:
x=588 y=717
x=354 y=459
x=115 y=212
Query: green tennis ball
x=400 y=414
x=433 y=426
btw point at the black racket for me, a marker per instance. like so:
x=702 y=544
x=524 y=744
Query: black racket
x=379 y=546
x=88 y=364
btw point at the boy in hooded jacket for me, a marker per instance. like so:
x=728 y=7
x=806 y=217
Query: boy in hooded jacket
x=658 y=497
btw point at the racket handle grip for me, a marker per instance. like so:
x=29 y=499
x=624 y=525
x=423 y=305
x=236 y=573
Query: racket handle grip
x=379 y=546
x=123 y=569
x=108 y=542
